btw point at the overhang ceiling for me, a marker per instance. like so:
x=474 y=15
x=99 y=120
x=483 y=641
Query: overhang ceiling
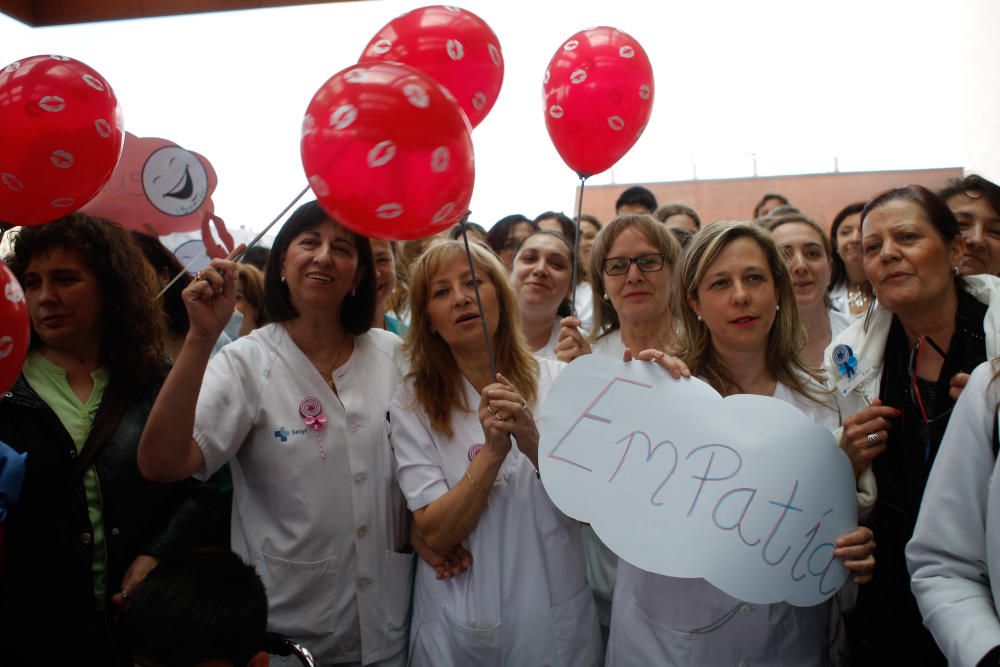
x=39 y=13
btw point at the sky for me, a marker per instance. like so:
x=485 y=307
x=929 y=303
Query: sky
x=789 y=85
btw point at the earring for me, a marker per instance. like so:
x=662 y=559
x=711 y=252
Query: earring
x=699 y=317
x=282 y=278
x=606 y=296
x=353 y=292
x=954 y=270
x=778 y=309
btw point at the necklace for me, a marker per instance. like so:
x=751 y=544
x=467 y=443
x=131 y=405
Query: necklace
x=857 y=298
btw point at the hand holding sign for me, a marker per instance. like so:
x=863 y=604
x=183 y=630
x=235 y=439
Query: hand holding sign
x=754 y=490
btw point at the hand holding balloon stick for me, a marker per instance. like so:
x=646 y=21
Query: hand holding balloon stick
x=598 y=95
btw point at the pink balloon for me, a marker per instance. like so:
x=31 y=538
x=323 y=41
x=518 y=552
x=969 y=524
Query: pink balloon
x=15 y=329
x=60 y=137
x=598 y=93
x=388 y=152
x=453 y=46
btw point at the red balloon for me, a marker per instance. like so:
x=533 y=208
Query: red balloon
x=15 y=329
x=453 y=46
x=388 y=152
x=598 y=93
x=60 y=138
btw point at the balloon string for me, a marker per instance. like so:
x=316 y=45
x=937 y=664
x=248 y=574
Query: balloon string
x=479 y=301
x=252 y=243
x=576 y=245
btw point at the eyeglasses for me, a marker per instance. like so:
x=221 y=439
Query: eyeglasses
x=915 y=387
x=619 y=266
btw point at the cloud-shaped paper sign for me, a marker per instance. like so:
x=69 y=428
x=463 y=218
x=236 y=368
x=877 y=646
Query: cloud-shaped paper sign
x=746 y=492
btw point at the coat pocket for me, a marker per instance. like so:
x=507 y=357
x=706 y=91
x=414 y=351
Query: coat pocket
x=301 y=595
x=575 y=633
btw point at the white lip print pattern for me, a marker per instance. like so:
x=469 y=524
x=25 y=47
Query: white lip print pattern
x=556 y=111
x=443 y=214
x=417 y=96
x=12 y=182
x=13 y=293
x=103 y=127
x=6 y=346
x=61 y=159
x=494 y=54
x=626 y=52
x=645 y=91
x=343 y=116
x=62 y=202
x=381 y=46
x=93 y=82
x=356 y=76
x=52 y=103
x=440 y=159
x=545 y=79
x=319 y=186
x=389 y=211
x=455 y=49
x=13 y=67
x=381 y=153
x=571 y=44
x=479 y=101
x=59 y=58
x=616 y=123
x=579 y=76
x=308 y=125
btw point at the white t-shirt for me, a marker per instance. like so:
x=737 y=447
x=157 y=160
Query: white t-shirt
x=524 y=600
x=324 y=532
x=660 y=620
x=548 y=351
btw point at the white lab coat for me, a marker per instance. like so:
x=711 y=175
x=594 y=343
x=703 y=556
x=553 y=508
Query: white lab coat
x=954 y=556
x=524 y=600
x=324 y=534
x=660 y=620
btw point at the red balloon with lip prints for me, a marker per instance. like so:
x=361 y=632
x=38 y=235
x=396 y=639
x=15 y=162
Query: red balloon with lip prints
x=598 y=94
x=60 y=138
x=451 y=45
x=15 y=329
x=388 y=152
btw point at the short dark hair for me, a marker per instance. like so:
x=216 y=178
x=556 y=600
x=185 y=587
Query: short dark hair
x=839 y=274
x=974 y=187
x=166 y=263
x=357 y=311
x=937 y=212
x=565 y=223
x=496 y=237
x=766 y=198
x=636 y=195
x=256 y=255
x=456 y=231
x=196 y=606
x=683 y=236
x=592 y=219
x=668 y=210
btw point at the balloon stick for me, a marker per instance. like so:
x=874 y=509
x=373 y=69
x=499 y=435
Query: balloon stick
x=479 y=302
x=576 y=243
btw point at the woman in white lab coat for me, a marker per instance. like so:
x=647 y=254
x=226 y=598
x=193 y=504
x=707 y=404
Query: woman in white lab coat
x=742 y=336
x=466 y=445
x=298 y=409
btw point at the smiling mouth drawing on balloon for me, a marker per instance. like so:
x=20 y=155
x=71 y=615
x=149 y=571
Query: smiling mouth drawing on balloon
x=174 y=180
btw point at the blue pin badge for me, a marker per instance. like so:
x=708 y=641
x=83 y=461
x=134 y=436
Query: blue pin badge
x=847 y=363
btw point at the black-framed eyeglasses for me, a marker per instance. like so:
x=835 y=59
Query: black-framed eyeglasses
x=619 y=266
x=914 y=392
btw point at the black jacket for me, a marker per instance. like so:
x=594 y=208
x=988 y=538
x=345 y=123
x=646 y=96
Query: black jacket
x=46 y=587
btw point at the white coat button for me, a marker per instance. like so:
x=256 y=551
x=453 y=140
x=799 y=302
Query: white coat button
x=360 y=478
x=85 y=538
x=114 y=531
x=364 y=583
x=354 y=428
x=362 y=531
x=746 y=611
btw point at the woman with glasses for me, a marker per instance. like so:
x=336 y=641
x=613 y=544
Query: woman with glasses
x=743 y=336
x=542 y=279
x=897 y=374
x=631 y=274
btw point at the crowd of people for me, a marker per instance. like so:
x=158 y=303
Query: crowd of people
x=336 y=440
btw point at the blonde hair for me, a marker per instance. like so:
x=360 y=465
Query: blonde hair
x=786 y=338
x=252 y=281
x=605 y=317
x=433 y=370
